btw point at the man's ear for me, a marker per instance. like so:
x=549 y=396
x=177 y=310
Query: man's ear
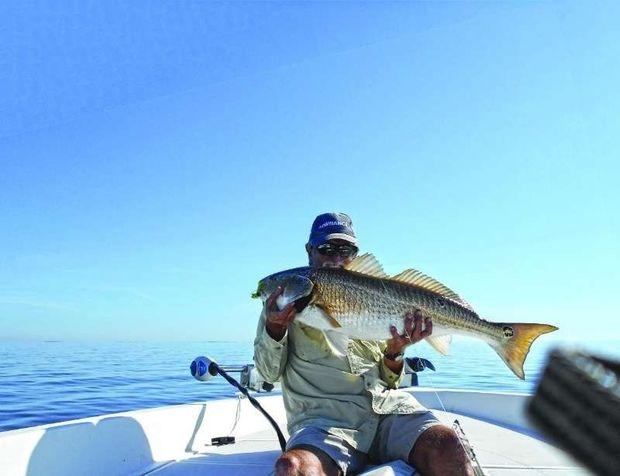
x=309 y=251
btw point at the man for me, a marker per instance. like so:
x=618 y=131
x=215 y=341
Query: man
x=341 y=396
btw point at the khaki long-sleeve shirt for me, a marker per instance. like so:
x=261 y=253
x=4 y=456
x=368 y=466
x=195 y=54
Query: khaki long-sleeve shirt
x=338 y=386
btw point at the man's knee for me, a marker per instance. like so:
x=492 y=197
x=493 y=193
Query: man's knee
x=443 y=441
x=438 y=450
x=288 y=464
x=307 y=461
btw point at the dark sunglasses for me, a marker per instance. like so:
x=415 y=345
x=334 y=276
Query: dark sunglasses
x=333 y=250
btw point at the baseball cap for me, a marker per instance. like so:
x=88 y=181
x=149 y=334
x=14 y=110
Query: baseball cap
x=331 y=226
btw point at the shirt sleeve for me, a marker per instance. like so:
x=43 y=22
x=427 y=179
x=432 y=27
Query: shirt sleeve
x=269 y=355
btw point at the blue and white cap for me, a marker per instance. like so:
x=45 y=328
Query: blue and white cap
x=331 y=226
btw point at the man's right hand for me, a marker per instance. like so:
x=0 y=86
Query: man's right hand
x=278 y=321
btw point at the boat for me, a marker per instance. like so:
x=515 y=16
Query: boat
x=230 y=437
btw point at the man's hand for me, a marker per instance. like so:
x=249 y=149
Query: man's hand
x=414 y=332
x=277 y=321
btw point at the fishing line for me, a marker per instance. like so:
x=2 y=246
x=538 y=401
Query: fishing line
x=456 y=426
x=434 y=387
x=237 y=414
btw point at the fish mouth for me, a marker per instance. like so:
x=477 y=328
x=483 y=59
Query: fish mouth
x=256 y=294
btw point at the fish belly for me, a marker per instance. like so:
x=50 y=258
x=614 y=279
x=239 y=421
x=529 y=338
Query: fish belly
x=370 y=327
x=356 y=327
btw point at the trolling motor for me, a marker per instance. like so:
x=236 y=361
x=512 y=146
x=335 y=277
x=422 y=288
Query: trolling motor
x=204 y=368
x=413 y=365
x=249 y=377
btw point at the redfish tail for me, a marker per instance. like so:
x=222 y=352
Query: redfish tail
x=515 y=345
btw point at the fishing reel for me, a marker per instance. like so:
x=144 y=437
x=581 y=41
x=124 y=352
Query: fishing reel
x=413 y=365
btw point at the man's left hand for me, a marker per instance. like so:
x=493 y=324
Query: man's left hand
x=416 y=329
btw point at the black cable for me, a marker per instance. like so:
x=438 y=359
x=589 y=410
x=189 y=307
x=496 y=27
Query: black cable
x=254 y=403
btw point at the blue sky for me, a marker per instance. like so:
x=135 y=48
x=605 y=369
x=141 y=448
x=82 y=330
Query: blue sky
x=157 y=159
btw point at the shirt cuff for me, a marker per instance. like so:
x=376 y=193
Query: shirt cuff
x=392 y=379
x=271 y=342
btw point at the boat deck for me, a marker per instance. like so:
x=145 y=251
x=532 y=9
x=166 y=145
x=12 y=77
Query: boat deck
x=501 y=451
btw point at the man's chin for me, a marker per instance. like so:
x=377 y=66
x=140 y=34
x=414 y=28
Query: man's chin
x=331 y=265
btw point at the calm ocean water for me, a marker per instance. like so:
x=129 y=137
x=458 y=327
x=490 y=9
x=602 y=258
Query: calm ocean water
x=45 y=382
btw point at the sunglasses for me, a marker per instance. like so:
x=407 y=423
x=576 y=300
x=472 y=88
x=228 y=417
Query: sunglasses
x=330 y=249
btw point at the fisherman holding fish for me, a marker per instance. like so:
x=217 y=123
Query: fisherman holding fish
x=341 y=394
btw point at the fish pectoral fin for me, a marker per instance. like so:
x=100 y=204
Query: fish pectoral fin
x=331 y=319
x=367 y=264
x=440 y=343
x=421 y=280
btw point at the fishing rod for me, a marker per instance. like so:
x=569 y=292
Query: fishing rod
x=203 y=368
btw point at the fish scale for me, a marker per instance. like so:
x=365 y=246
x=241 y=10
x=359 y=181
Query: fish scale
x=353 y=305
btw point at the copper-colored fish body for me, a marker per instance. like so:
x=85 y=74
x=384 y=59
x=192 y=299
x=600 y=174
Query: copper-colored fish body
x=362 y=302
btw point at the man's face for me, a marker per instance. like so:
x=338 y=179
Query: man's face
x=333 y=253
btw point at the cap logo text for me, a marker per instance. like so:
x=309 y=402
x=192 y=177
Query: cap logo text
x=332 y=223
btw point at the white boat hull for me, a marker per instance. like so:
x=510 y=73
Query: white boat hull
x=175 y=440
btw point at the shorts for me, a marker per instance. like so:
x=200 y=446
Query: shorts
x=394 y=439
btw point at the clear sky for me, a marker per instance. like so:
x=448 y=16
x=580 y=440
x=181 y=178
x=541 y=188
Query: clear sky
x=158 y=158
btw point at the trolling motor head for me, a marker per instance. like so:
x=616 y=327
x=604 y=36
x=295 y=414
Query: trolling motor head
x=203 y=368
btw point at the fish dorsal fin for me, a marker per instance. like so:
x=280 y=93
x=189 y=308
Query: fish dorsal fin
x=440 y=343
x=417 y=278
x=367 y=264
